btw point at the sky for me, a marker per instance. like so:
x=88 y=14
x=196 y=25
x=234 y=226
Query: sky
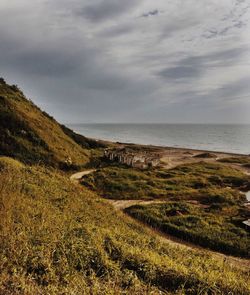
x=161 y=61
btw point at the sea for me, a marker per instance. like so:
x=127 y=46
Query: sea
x=211 y=137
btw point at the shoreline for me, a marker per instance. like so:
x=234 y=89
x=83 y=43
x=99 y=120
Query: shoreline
x=171 y=157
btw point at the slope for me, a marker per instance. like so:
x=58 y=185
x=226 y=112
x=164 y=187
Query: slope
x=31 y=135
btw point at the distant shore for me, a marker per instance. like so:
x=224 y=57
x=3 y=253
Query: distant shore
x=171 y=157
x=159 y=147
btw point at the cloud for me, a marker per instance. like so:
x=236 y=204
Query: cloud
x=151 y=13
x=98 y=61
x=180 y=72
x=193 y=67
x=102 y=10
x=118 y=30
x=234 y=90
x=231 y=21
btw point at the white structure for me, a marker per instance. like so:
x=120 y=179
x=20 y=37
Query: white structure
x=141 y=160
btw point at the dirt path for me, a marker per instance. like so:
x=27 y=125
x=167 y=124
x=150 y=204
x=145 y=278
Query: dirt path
x=77 y=176
x=123 y=204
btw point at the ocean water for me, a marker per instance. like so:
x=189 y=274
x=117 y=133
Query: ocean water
x=223 y=138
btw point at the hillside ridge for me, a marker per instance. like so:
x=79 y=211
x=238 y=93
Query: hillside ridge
x=32 y=136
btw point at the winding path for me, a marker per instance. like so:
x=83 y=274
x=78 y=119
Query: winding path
x=120 y=205
x=79 y=175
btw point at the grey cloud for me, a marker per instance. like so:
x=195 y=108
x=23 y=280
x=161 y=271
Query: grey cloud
x=86 y=68
x=220 y=95
x=233 y=90
x=45 y=63
x=194 y=66
x=118 y=30
x=63 y=61
x=226 y=55
x=180 y=72
x=234 y=18
x=217 y=33
x=105 y=9
x=218 y=58
x=151 y=13
x=172 y=28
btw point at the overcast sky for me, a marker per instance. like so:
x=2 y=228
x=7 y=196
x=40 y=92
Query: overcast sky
x=130 y=60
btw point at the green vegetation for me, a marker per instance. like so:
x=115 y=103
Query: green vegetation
x=122 y=183
x=60 y=238
x=214 y=227
x=206 y=182
x=206 y=155
x=9 y=164
x=32 y=136
x=83 y=141
x=218 y=209
x=244 y=160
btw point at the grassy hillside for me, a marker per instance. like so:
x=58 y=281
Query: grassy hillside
x=32 y=136
x=57 y=237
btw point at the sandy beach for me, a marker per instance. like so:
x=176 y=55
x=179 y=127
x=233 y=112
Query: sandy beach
x=173 y=156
